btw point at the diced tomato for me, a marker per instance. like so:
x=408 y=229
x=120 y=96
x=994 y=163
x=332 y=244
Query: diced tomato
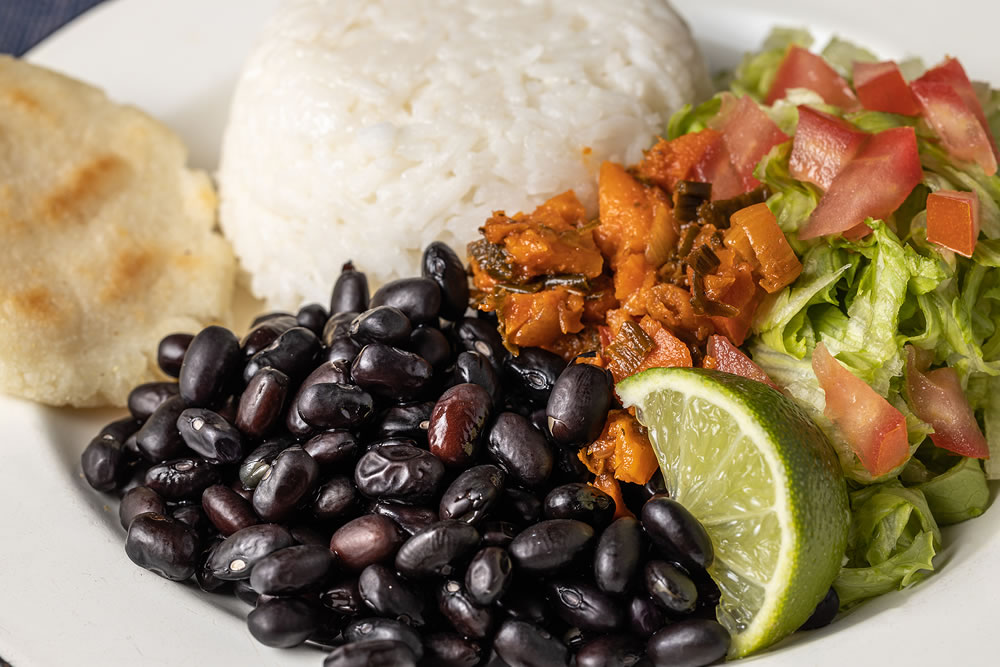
x=668 y=350
x=953 y=220
x=730 y=359
x=744 y=295
x=715 y=168
x=823 y=145
x=955 y=123
x=937 y=398
x=881 y=87
x=748 y=134
x=874 y=184
x=802 y=69
x=670 y=161
x=874 y=430
x=952 y=73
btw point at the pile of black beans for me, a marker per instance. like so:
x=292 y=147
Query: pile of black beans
x=384 y=480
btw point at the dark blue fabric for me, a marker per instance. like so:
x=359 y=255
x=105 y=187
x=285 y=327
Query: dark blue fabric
x=24 y=23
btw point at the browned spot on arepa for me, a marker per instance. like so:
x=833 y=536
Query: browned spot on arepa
x=81 y=195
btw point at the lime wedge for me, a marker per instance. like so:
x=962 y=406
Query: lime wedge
x=763 y=480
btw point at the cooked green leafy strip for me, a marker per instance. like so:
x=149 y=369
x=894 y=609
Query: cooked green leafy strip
x=960 y=493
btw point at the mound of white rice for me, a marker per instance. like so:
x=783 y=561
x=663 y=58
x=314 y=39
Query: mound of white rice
x=365 y=129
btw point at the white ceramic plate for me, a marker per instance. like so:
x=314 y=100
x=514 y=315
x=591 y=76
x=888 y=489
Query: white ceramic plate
x=69 y=595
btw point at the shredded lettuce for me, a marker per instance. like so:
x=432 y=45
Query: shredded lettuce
x=689 y=118
x=842 y=55
x=958 y=494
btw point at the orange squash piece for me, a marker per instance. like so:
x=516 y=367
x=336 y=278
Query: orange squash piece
x=772 y=256
x=536 y=320
x=668 y=162
x=626 y=213
x=609 y=485
x=622 y=449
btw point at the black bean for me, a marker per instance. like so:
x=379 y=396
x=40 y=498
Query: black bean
x=343 y=597
x=611 y=651
x=688 y=643
x=336 y=499
x=617 y=555
x=206 y=581
x=145 y=398
x=520 y=449
x=498 y=533
x=567 y=466
x=258 y=462
x=343 y=350
x=655 y=486
x=312 y=316
x=418 y=298
x=448 y=649
x=669 y=587
x=265 y=332
x=532 y=373
x=584 y=606
x=307 y=534
x=237 y=555
x=676 y=533
x=521 y=644
x=245 y=594
x=209 y=435
x=105 y=460
x=402 y=473
x=292 y=353
x=824 y=613
x=262 y=402
x=192 y=515
x=436 y=550
x=293 y=476
x=291 y=570
x=170 y=352
x=338 y=327
x=227 y=510
x=368 y=539
x=332 y=447
x=328 y=371
x=350 y=292
x=162 y=545
x=456 y=426
x=440 y=264
x=578 y=404
x=579 y=501
x=390 y=372
x=382 y=324
x=476 y=368
x=158 y=439
x=549 y=545
x=371 y=653
x=411 y=519
x=139 y=500
x=488 y=575
x=181 y=479
x=210 y=363
x=520 y=506
x=473 y=494
x=406 y=420
x=271 y=316
x=365 y=629
x=645 y=617
x=430 y=344
x=330 y=405
x=282 y=622
x=389 y=596
x=465 y=616
x=476 y=335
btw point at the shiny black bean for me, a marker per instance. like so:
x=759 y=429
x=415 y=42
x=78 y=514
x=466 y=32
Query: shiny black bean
x=579 y=501
x=158 y=439
x=343 y=350
x=282 y=622
x=293 y=476
x=265 y=332
x=292 y=353
x=292 y=570
x=656 y=485
x=521 y=644
x=824 y=613
x=472 y=494
x=139 y=500
x=328 y=371
x=330 y=405
x=402 y=473
x=612 y=651
x=350 y=292
x=455 y=429
x=645 y=617
x=271 y=316
x=206 y=581
x=476 y=368
x=382 y=324
x=476 y=335
x=448 y=649
x=669 y=587
x=498 y=533
x=407 y=420
x=170 y=352
x=338 y=327
x=208 y=434
x=430 y=344
x=519 y=506
x=227 y=510
x=618 y=554
x=520 y=449
x=411 y=519
x=210 y=363
x=388 y=595
x=258 y=462
x=390 y=372
x=336 y=499
x=162 y=545
x=374 y=627
x=578 y=404
x=308 y=534
x=312 y=316
x=440 y=264
x=436 y=550
x=105 y=460
x=181 y=479
x=343 y=597
x=368 y=539
x=332 y=447
x=236 y=556
x=525 y=602
x=262 y=402
x=372 y=653
x=532 y=373
x=583 y=605
x=688 y=643
x=488 y=575
x=145 y=398
x=549 y=545
x=192 y=515
x=418 y=298
x=465 y=616
x=676 y=533
x=567 y=466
